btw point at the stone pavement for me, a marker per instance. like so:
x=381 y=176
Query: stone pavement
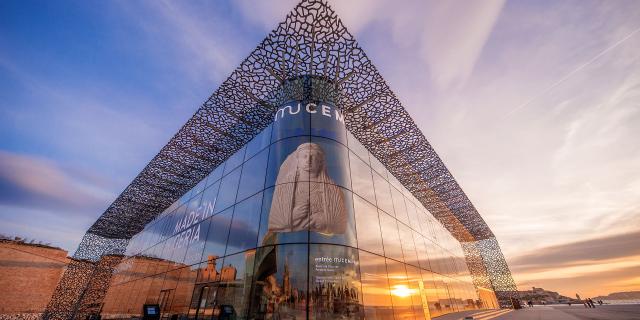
x=575 y=312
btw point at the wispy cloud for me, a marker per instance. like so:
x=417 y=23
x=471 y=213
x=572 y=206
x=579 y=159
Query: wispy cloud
x=576 y=253
x=31 y=182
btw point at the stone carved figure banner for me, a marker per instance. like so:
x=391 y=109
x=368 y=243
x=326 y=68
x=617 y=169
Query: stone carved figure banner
x=305 y=196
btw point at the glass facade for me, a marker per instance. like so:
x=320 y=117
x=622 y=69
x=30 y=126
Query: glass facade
x=301 y=223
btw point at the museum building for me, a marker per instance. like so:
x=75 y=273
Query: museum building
x=301 y=222
x=301 y=189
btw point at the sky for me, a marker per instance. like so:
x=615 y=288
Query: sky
x=534 y=106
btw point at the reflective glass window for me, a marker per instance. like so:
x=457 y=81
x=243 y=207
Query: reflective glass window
x=258 y=143
x=167 y=252
x=286 y=161
x=419 y=298
x=244 y=225
x=327 y=121
x=435 y=308
x=180 y=245
x=334 y=276
x=368 y=226
x=235 y=284
x=280 y=284
x=383 y=194
x=290 y=120
x=408 y=247
x=217 y=234
x=422 y=251
x=228 y=190
x=196 y=240
x=443 y=293
x=378 y=166
x=253 y=173
x=376 y=295
x=284 y=217
x=234 y=161
x=361 y=178
x=358 y=148
x=209 y=199
x=183 y=291
x=399 y=206
x=168 y=292
x=394 y=181
x=215 y=175
x=401 y=292
x=210 y=270
x=198 y=188
x=327 y=161
x=331 y=218
x=194 y=214
x=390 y=237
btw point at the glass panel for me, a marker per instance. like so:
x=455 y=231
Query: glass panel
x=258 y=143
x=422 y=251
x=408 y=247
x=368 y=226
x=378 y=166
x=235 y=286
x=210 y=270
x=215 y=175
x=383 y=194
x=217 y=235
x=280 y=284
x=277 y=223
x=399 y=207
x=435 y=308
x=331 y=215
x=209 y=198
x=253 y=173
x=358 y=148
x=244 y=225
x=270 y=227
x=327 y=121
x=361 y=178
x=283 y=162
x=196 y=242
x=168 y=292
x=195 y=213
x=291 y=120
x=443 y=293
x=228 y=190
x=401 y=293
x=419 y=298
x=183 y=291
x=390 y=237
x=234 y=161
x=327 y=161
x=199 y=187
x=376 y=296
x=334 y=282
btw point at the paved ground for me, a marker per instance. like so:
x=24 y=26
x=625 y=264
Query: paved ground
x=606 y=312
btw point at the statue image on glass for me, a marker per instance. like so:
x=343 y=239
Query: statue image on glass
x=300 y=205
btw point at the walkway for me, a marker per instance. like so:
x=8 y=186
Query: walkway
x=575 y=312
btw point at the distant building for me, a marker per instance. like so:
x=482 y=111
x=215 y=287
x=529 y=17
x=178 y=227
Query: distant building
x=542 y=296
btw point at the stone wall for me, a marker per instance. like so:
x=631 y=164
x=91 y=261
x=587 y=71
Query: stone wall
x=28 y=276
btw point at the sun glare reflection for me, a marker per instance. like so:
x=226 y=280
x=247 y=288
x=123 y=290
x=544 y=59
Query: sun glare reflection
x=402 y=291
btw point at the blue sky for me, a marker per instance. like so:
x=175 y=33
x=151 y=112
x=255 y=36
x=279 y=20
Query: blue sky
x=533 y=105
